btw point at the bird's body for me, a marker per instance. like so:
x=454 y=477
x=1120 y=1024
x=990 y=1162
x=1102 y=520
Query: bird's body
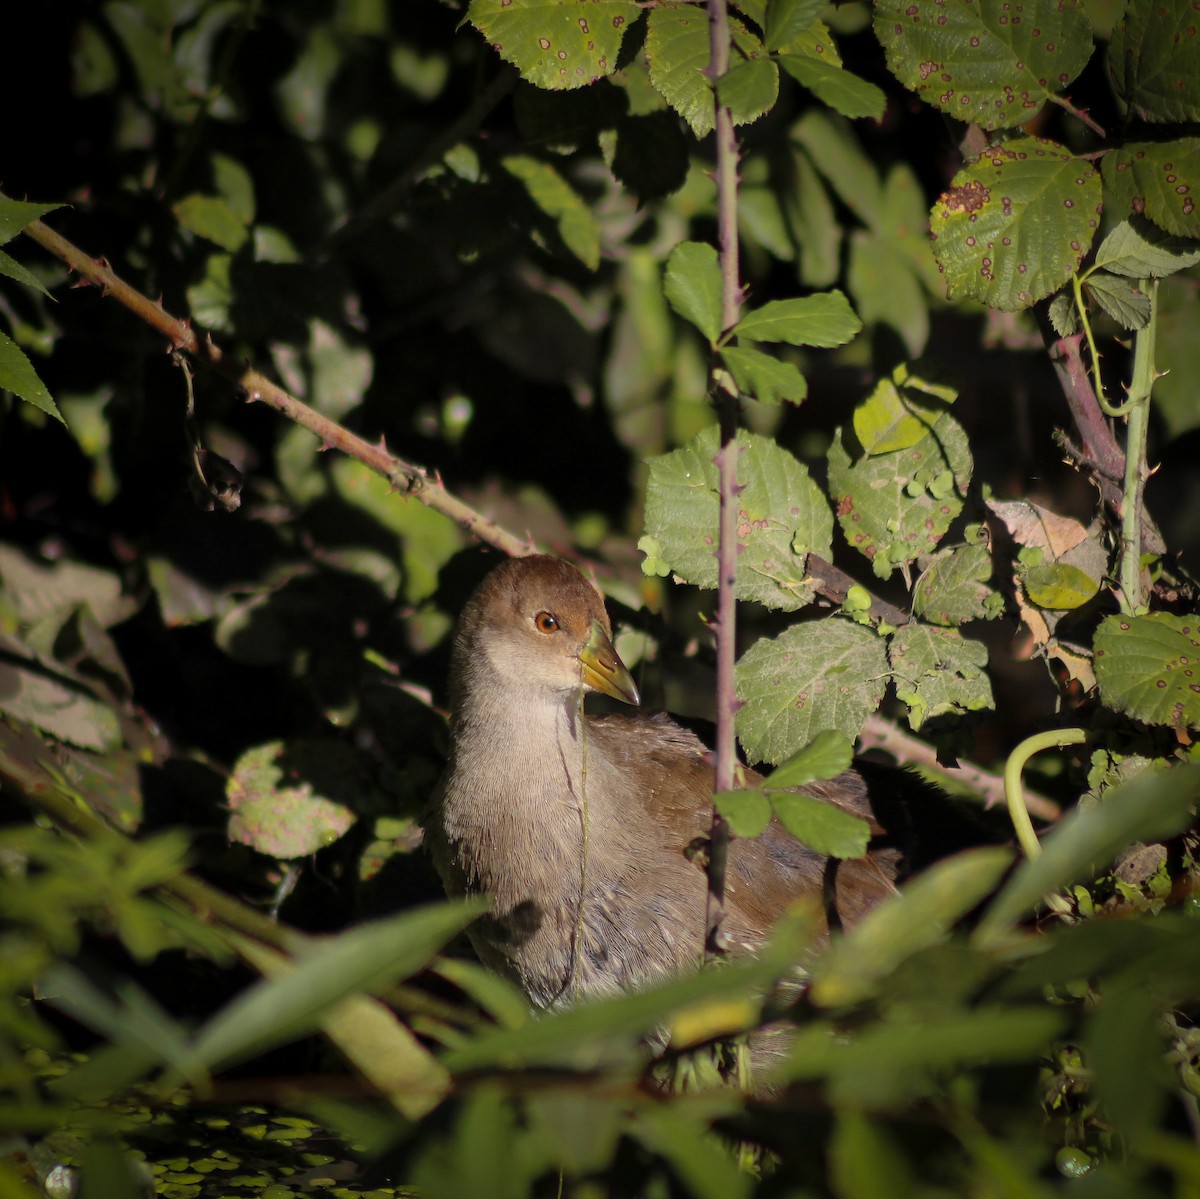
x=578 y=827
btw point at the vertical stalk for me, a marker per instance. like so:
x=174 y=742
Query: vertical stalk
x=726 y=178
x=1136 y=472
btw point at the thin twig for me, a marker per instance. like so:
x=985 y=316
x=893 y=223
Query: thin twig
x=726 y=179
x=408 y=479
x=883 y=734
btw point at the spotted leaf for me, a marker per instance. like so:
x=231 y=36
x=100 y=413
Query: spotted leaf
x=1015 y=223
x=556 y=44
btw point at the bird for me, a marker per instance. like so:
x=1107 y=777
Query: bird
x=578 y=826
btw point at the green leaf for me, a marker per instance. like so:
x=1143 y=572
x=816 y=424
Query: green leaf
x=14 y=270
x=822 y=827
x=212 y=218
x=825 y=757
x=865 y=1163
x=917 y=917
x=886 y=288
x=938 y=672
x=821 y=675
x=823 y=320
x=1138 y=248
x=677 y=52
x=1015 y=223
x=841 y=90
x=591 y=1033
x=16 y=214
x=561 y=203
x=1155 y=60
x=953 y=589
x=895 y=507
x=1059 y=585
x=763 y=378
x=782 y=516
x=1149 y=667
x=18 y=376
x=366 y=958
x=833 y=146
x=693 y=287
x=749 y=89
x=900 y=412
x=1160 y=180
x=1154 y=806
x=1121 y=298
x=746 y=812
x=978 y=60
x=814 y=225
x=1124 y=1043
x=788 y=19
x=555 y=44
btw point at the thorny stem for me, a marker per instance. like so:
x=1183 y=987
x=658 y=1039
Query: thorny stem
x=406 y=478
x=1138 y=405
x=726 y=178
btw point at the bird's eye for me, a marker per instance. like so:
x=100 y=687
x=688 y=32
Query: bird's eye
x=545 y=622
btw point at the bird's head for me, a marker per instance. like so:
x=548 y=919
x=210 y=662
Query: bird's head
x=536 y=626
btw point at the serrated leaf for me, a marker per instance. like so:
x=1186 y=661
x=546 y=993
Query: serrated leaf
x=787 y=19
x=1153 y=806
x=823 y=320
x=677 y=53
x=555 y=44
x=749 y=89
x=981 y=60
x=561 y=203
x=833 y=85
x=763 y=378
x=914 y=919
x=1121 y=298
x=938 y=672
x=746 y=812
x=887 y=505
x=16 y=214
x=1063 y=317
x=782 y=515
x=1160 y=180
x=1138 y=248
x=693 y=286
x=954 y=587
x=1015 y=223
x=1149 y=667
x=820 y=675
x=1155 y=60
x=825 y=757
x=821 y=826
x=18 y=376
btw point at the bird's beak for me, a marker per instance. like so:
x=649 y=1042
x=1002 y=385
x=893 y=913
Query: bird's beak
x=602 y=670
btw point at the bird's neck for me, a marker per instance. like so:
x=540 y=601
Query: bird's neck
x=523 y=773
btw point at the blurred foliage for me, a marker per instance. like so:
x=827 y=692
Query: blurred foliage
x=479 y=236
